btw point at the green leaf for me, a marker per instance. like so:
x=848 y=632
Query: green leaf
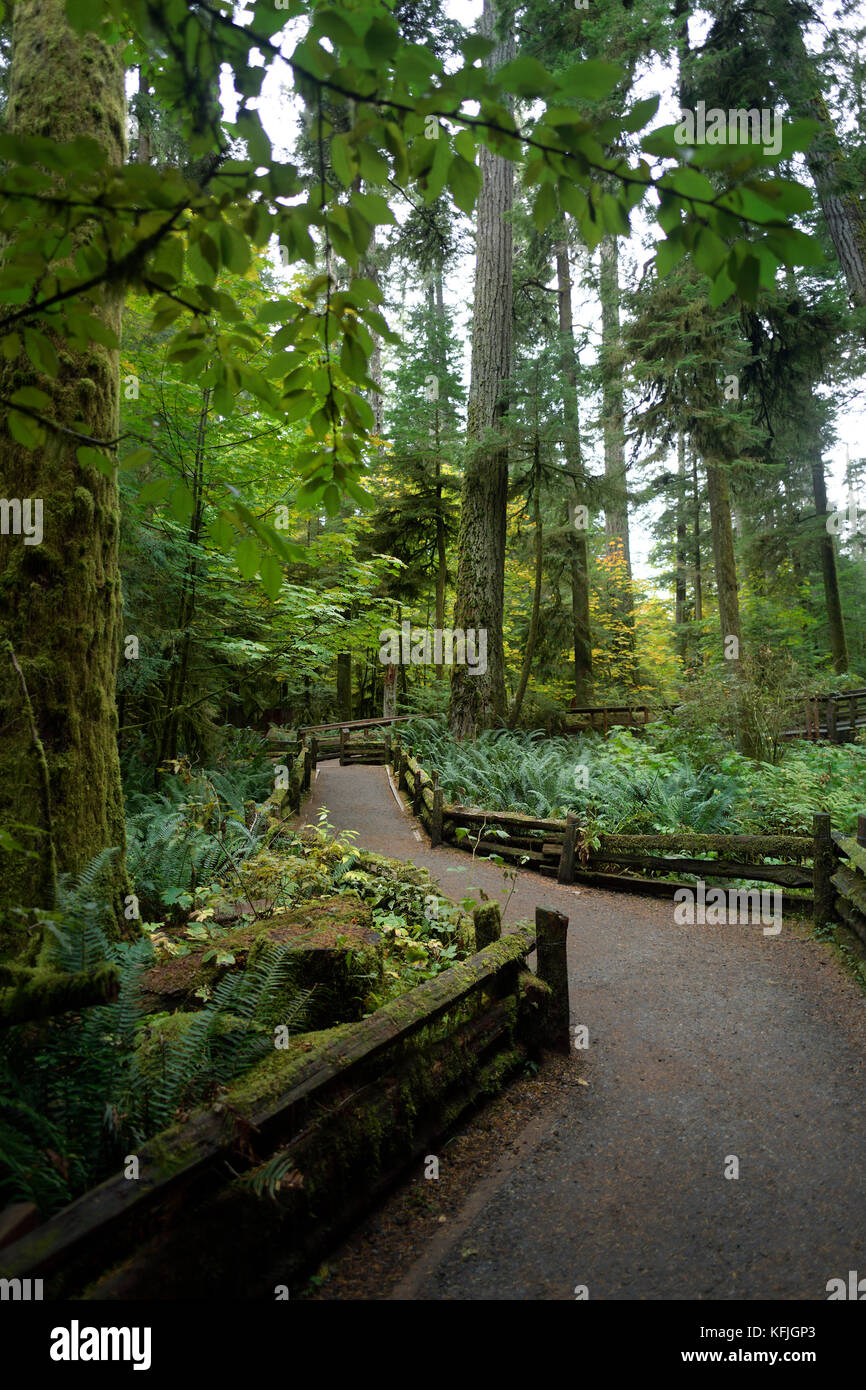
x=721 y=290
x=248 y=557
x=24 y=430
x=341 y=159
x=545 y=208
x=669 y=253
x=250 y=129
x=640 y=114
x=353 y=360
x=464 y=180
x=590 y=80
x=525 y=77
x=85 y=16
x=94 y=458
x=41 y=352
x=137 y=459
x=234 y=247
x=181 y=503
x=331 y=499
x=334 y=27
x=747 y=278
x=474 y=46
x=373 y=207
x=382 y=39
x=31 y=396
x=271 y=572
x=156 y=490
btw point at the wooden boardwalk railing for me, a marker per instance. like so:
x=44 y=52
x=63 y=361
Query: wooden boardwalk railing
x=835 y=717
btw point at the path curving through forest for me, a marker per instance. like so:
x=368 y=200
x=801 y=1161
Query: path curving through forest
x=705 y=1042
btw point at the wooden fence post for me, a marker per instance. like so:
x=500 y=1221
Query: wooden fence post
x=861 y=829
x=831 y=720
x=342 y=748
x=398 y=750
x=551 y=930
x=387 y=741
x=308 y=767
x=824 y=863
x=436 y=817
x=565 y=873
x=344 y=684
x=416 y=794
x=488 y=924
x=436 y=811
x=314 y=751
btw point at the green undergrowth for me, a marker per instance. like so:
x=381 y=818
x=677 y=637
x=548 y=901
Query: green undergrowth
x=83 y=1090
x=658 y=780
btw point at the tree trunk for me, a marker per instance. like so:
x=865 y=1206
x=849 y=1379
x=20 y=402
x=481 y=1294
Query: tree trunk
x=613 y=420
x=62 y=596
x=176 y=685
x=696 y=501
x=437 y=302
x=581 y=639
x=536 y=596
x=477 y=700
x=680 y=580
x=725 y=563
x=728 y=597
x=833 y=179
x=835 y=619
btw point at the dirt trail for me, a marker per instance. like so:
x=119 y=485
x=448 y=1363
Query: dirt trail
x=705 y=1042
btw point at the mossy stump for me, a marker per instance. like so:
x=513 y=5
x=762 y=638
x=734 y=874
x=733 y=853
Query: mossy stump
x=336 y=954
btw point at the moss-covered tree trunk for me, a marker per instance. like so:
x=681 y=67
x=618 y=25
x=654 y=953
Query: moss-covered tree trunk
x=477 y=700
x=613 y=429
x=581 y=637
x=61 y=598
x=532 y=634
x=696 y=533
x=680 y=572
x=727 y=593
x=835 y=181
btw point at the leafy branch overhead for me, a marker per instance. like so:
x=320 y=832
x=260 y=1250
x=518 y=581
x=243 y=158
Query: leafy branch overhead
x=390 y=116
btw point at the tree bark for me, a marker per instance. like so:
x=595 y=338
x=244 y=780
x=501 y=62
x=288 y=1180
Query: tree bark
x=832 y=598
x=176 y=684
x=536 y=595
x=696 y=501
x=825 y=158
x=613 y=419
x=724 y=562
x=62 y=597
x=477 y=700
x=680 y=580
x=581 y=638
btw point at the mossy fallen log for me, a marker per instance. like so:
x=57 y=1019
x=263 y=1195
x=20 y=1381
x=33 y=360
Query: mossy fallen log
x=39 y=992
x=334 y=951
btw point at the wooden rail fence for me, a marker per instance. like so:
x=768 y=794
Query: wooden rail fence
x=341 y=1115
x=824 y=873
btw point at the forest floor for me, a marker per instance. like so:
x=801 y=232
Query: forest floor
x=607 y=1169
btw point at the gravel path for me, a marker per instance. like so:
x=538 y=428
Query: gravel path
x=705 y=1042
